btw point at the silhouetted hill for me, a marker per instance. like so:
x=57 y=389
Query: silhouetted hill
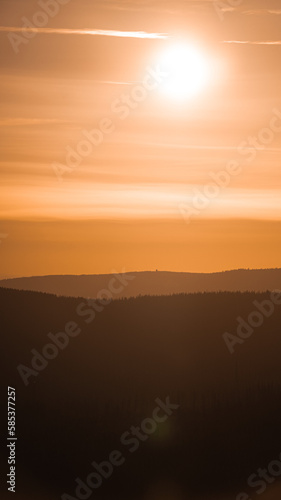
x=106 y=378
x=150 y=283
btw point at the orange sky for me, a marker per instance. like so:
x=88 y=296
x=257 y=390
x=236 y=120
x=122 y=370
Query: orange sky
x=141 y=195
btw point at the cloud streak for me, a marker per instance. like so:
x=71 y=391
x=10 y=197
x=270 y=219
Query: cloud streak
x=19 y=122
x=91 y=32
x=190 y=6
x=254 y=42
x=260 y=12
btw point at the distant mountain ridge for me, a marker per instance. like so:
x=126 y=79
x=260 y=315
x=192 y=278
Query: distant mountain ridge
x=133 y=284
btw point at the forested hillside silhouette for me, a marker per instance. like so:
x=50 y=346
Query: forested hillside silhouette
x=133 y=351
x=151 y=283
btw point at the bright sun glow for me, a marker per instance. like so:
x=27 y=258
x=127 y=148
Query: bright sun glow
x=187 y=70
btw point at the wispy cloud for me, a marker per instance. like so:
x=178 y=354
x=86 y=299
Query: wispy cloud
x=169 y=7
x=254 y=42
x=191 y=5
x=109 y=82
x=240 y=9
x=93 y=32
x=260 y=12
x=19 y=122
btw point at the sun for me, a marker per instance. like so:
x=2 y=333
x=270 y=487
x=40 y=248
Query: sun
x=187 y=71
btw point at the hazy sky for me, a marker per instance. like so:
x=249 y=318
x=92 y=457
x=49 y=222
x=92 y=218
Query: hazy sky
x=141 y=195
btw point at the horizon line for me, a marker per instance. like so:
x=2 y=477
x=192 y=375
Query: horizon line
x=139 y=272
